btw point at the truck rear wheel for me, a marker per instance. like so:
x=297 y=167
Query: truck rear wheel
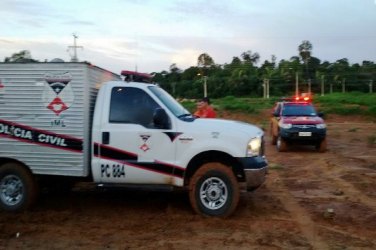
x=18 y=189
x=214 y=190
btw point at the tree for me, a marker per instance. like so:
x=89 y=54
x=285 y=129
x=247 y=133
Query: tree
x=22 y=56
x=236 y=61
x=250 y=57
x=205 y=61
x=305 y=49
x=174 y=68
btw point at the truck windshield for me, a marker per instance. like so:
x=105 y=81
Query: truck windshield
x=175 y=107
x=298 y=110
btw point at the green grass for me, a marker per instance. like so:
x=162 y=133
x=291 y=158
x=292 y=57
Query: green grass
x=189 y=105
x=236 y=104
x=231 y=103
x=336 y=103
x=348 y=103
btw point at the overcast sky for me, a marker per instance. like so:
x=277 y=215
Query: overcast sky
x=153 y=34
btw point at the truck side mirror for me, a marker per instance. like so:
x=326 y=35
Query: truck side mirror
x=320 y=114
x=160 y=119
x=275 y=114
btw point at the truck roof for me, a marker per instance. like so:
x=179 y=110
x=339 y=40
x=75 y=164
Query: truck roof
x=129 y=84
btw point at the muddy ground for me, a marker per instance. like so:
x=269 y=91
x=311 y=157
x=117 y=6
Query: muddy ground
x=310 y=200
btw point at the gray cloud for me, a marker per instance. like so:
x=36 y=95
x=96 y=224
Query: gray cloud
x=78 y=22
x=155 y=33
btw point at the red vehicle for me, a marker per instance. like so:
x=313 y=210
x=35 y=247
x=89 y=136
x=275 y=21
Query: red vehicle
x=295 y=121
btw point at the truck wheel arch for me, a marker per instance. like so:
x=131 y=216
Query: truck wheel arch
x=213 y=156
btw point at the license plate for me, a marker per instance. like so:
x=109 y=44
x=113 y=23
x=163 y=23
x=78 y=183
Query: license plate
x=305 y=133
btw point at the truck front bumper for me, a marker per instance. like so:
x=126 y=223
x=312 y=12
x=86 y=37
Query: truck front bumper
x=292 y=134
x=255 y=170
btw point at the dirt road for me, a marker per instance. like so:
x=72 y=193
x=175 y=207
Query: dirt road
x=311 y=200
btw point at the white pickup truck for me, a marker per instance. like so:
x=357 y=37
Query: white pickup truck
x=75 y=121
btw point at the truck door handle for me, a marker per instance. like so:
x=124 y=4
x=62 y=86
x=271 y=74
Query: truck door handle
x=105 y=137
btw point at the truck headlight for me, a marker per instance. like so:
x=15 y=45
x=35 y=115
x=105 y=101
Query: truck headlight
x=321 y=126
x=285 y=125
x=254 y=146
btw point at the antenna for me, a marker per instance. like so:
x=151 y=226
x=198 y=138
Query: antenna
x=74 y=47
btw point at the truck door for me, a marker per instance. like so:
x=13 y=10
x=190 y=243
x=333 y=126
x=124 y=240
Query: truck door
x=133 y=150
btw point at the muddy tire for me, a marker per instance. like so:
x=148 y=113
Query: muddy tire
x=281 y=144
x=321 y=147
x=214 y=190
x=18 y=189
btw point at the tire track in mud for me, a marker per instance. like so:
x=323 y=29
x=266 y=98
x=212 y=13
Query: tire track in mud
x=338 y=190
x=298 y=214
x=350 y=153
x=333 y=174
x=326 y=173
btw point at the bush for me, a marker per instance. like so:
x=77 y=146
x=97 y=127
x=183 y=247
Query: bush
x=348 y=103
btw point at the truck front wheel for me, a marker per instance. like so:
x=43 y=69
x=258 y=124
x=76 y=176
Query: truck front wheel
x=17 y=187
x=321 y=147
x=281 y=144
x=214 y=190
x=273 y=135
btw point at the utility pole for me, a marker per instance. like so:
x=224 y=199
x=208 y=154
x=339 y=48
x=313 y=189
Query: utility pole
x=322 y=86
x=205 y=87
x=264 y=88
x=296 y=84
x=309 y=86
x=371 y=86
x=173 y=88
x=343 y=85
x=74 y=48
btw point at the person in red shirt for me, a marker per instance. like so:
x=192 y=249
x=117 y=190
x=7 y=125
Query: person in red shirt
x=204 y=110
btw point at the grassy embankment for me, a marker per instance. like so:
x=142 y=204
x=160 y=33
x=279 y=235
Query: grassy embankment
x=337 y=103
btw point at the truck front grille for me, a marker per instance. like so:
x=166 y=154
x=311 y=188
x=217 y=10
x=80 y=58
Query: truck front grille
x=304 y=126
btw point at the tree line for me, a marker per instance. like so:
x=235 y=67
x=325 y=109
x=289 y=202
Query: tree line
x=242 y=76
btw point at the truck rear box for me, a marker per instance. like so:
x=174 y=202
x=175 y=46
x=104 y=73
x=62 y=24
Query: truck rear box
x=46 y=112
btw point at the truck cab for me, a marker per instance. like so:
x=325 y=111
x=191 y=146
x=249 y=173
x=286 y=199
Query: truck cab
x=143 y=136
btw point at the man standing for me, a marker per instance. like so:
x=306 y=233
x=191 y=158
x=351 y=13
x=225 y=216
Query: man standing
x=204 y=110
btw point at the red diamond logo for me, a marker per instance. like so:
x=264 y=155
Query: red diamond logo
x=57 y=106
x=144 y=147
